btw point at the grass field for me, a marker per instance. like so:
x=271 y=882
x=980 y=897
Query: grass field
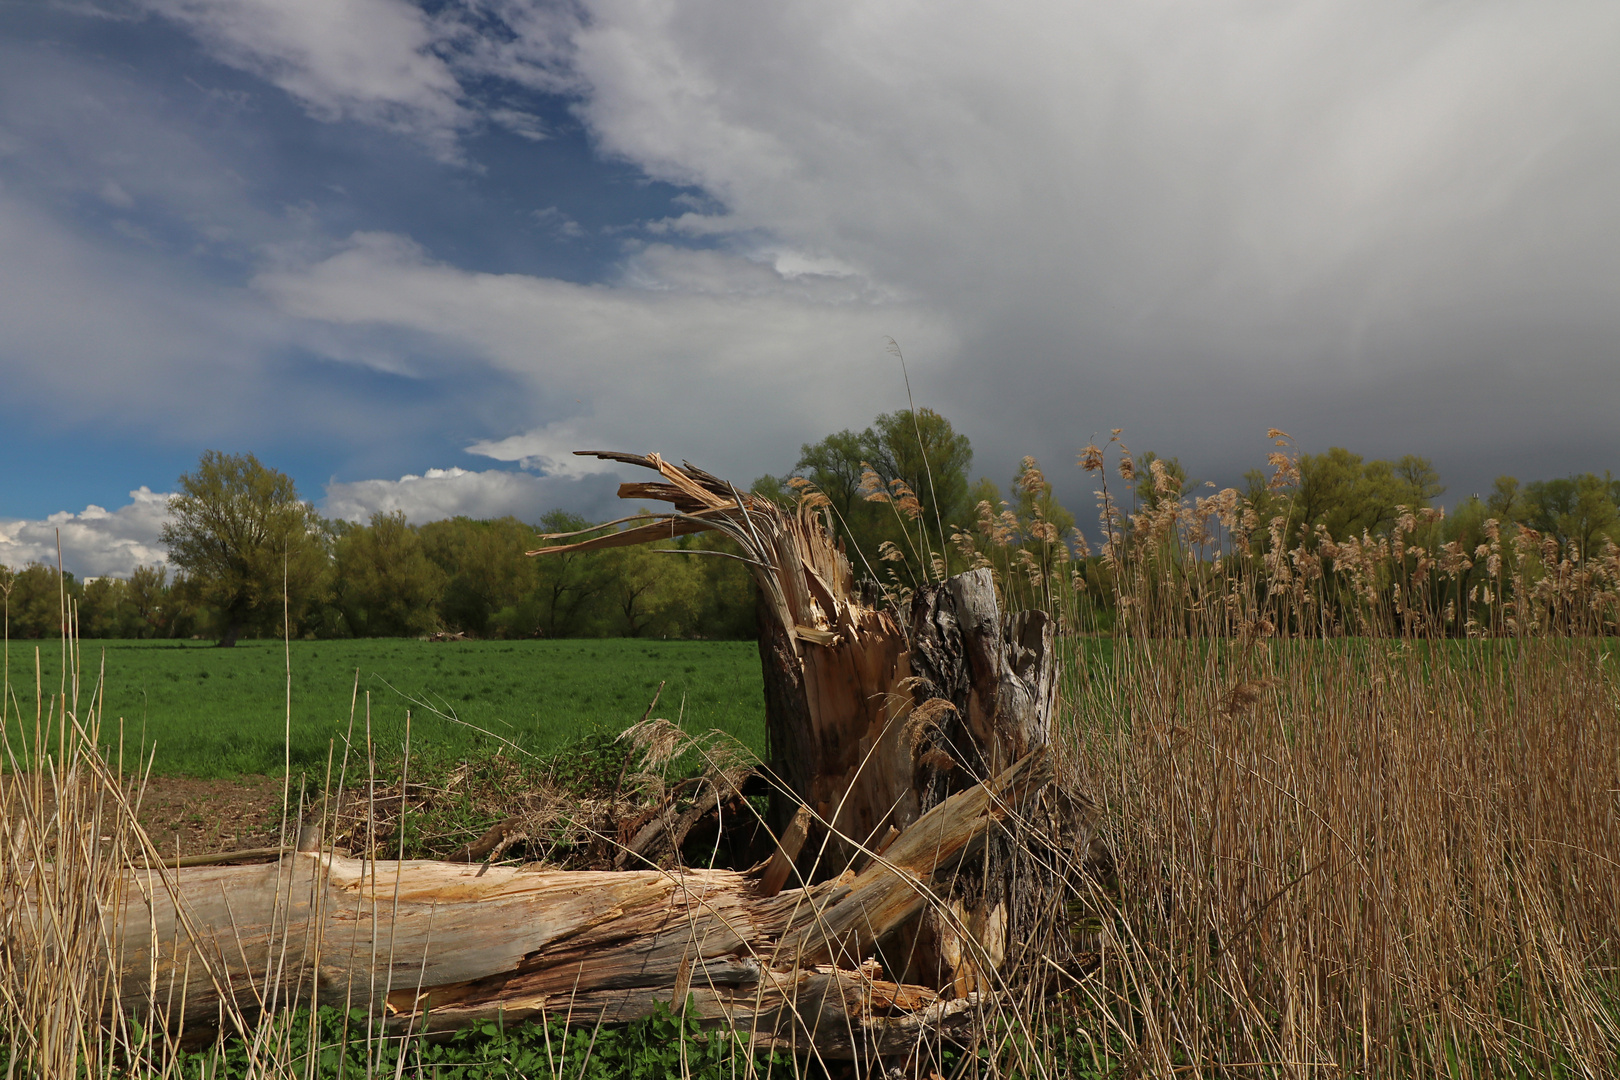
x=220 y=712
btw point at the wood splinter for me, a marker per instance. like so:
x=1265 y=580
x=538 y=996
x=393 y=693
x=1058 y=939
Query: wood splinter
x=456 y=944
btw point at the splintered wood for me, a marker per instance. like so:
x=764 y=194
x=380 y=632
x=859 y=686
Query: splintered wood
x=438 y=945
x=875 y=715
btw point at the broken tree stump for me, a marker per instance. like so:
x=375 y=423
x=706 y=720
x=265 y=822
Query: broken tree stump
x=876 y=715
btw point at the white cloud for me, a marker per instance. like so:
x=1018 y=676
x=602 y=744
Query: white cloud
x=520 y=123
x=1194 y=222
x=549 y=450
x=87 y=132
x=1376 y=223
x=114 y=195
x=718 y=358
x=445 y=493
x=558 y=223
x=95 y=542
x=366 y=60
x=115 y=336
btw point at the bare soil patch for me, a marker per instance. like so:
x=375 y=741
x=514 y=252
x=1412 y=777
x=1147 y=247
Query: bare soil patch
x=185 y=815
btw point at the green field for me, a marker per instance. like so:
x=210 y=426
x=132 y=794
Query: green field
x=204 y=711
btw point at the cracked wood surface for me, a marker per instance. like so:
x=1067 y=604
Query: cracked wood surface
x=445 y=944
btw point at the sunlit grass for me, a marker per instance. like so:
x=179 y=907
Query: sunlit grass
x=203 y=711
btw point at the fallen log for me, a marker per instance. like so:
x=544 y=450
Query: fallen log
x=435 y=946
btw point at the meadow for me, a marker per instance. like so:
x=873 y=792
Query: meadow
x=201 y=711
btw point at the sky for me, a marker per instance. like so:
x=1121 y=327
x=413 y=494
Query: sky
x=413 y=254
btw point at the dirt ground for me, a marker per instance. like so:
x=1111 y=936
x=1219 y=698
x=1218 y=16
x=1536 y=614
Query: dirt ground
x=187 y=816
x=199 y=817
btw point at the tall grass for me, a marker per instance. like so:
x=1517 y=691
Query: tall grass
x=1368 y=858
x=1363 y=796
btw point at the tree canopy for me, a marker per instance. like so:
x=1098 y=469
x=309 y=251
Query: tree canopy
x=249 y=546
x=898 y=489
x=898 y=492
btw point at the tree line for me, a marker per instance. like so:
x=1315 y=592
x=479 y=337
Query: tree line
x=249 y=558
x=388 y=578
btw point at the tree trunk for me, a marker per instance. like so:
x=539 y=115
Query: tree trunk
x=872 y=719
x=438 y=946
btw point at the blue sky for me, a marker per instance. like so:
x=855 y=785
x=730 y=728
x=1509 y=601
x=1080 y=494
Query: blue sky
x=136 y=142
x=413 y=254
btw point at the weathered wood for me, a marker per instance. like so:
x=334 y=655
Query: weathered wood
x=999 y=673
x=659 y=841
x=444 y=944
x=832 y=664
x=780 y=866
x=874 y=719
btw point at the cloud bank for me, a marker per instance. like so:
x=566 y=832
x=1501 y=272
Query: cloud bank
x=718 y=357
x=1380 y=224
x=95 y=542
x=446 y=493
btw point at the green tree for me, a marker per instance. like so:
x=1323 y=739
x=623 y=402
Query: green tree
x=386 y=586
x=835 y=465
x=570 y=584
x=1505 y=502
x=726 y=592
x=486 y=567
x=653 y=593
x=920 y=454
x=926 y=453
x=1332 y=492
x=34 y=600
x=1418 y=481
x=246 y=541
x=1578 y=510
x=1148 y=495
x=1347 y=495
x=150 y=601
x=106 y=611
x=771 y=487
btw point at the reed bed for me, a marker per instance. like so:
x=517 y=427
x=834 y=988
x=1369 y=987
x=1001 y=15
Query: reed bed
x=1363 y=795
x=1369 y=859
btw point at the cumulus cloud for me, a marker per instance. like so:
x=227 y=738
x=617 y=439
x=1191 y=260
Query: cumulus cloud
x=1378 y=224
x=366 y=60
x=94 y=542
x=1194 y=223
x=445 y=493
